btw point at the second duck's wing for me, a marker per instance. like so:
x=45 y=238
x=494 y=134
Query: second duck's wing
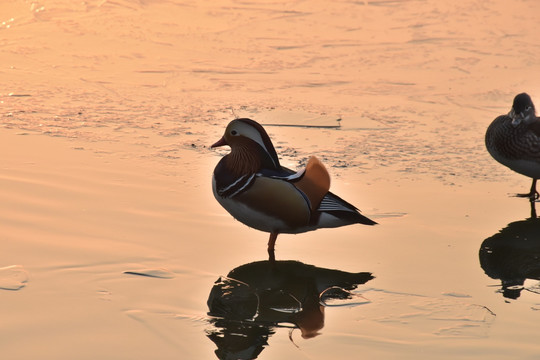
x=505 y=141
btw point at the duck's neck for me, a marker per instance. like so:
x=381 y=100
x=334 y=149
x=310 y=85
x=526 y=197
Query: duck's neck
x=242 y=160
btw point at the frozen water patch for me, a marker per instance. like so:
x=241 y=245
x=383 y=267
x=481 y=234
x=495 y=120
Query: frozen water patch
x=396 y=137
x=13 y=277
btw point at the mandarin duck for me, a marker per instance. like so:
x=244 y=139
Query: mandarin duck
x=514 y=141
x=255 y=189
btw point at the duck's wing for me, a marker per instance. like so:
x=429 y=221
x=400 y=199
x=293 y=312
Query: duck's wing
x=313 y=181
x=299 y=194
x=333 y=205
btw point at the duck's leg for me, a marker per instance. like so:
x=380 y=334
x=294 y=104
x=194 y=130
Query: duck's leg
x=271 y=245
x=533 y=210
x=533 y=194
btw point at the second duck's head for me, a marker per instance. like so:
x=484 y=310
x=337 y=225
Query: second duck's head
x=522 y=110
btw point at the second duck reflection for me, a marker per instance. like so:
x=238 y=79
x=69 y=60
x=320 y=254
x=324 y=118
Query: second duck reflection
x=513 y=255
x=253 y=299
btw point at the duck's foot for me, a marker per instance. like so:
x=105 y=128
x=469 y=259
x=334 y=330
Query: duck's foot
x=533 y=196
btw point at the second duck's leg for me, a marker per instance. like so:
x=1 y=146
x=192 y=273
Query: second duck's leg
x=533 y=194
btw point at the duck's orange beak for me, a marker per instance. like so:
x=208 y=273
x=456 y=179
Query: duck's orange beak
x=221 y=142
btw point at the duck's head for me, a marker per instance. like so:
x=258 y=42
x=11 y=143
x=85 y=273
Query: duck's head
x=249 y=142
x=522 y=110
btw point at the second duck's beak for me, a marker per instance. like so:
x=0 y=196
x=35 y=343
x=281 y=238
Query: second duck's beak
x=516 y=118
x=220 y=142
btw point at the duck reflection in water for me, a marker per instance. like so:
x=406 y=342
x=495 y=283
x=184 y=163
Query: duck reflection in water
x=255 y=299
x=513 y=255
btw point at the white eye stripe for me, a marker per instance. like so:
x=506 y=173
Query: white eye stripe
x=252 y=133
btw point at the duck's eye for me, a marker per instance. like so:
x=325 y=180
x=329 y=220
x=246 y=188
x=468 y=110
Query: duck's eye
x=527 y=108
x=234 y=132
